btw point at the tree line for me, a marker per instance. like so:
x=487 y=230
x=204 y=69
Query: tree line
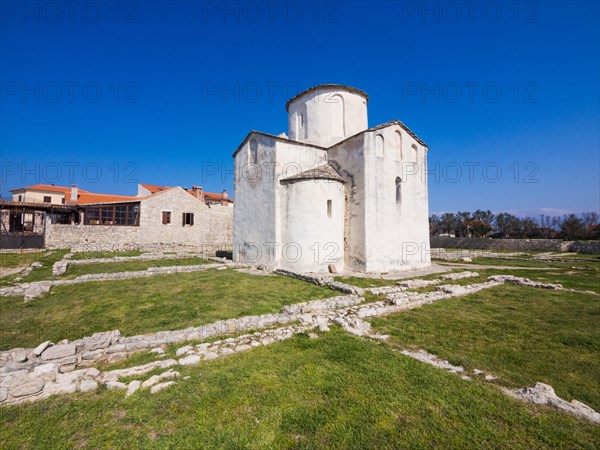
x=505 y=225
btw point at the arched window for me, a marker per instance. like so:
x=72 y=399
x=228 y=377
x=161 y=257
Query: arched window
x=379 y=145
x=338 y=118
x=398 y=146
x=253 y=152
x=398 y=190
x=415 y=152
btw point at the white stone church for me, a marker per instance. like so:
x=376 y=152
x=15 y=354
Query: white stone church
x=332 y=191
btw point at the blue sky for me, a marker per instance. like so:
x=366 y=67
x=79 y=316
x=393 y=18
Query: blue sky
x=505 y=94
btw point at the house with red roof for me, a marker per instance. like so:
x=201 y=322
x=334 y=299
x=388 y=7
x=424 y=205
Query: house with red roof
x=158 y=217
x=61 y=195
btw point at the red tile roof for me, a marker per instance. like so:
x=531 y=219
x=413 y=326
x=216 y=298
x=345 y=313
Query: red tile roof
x=86 y=198
x=46 y=188
x=83 y=197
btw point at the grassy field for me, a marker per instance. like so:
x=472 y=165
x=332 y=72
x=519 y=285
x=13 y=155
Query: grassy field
x=99 y=254
x=524 y=335
x=24 y=259
x=580 y=277
x=47 y=258
x=14 y=259
x=158 y=303
x=588 y=262
x=75 y=271
x=338 y=391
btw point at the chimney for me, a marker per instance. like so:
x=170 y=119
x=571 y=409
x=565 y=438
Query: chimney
x=197 y=190
x=224 y=194
x=74 y=193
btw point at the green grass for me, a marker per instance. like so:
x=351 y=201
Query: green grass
x=586 y=262
x=579 y=278
x=14 y=259
x=582 y=275
x=75 y=271
x=524 y=335
x=576 y=255
x=338 y=391
x=163 y=302
x=99 y=254
x=47 y=258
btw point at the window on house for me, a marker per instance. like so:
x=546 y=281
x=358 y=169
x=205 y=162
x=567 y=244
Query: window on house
x=112 y=215
x=20 y=198
x=188 y=219
x=60 y=218
x=63 y=201
x=47 y=199
x=329 y=206
x=166 y=217
x=398 y=190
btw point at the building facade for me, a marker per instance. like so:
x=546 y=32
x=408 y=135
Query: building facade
x=169 y=218
x=335 y=192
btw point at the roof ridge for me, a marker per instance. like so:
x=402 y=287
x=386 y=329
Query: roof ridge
x=323 y=171
x=324 y=86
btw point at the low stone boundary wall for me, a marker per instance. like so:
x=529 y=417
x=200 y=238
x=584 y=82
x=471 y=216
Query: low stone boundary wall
x=586 y=247
x=60 y=267
x=322 y=280
x=38 y=288
x=23 y=370
x=49 y=378
x=523 y=245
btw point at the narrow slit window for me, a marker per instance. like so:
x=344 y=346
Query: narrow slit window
x=398 y=146
x=329 y=207
x=379 y=146
x=398 y=190
x=253 y=154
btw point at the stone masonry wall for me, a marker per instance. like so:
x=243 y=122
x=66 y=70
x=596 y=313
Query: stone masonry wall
x=524 y=245
x=212 y=229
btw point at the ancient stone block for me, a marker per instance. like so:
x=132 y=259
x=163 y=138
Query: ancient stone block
x=59 y=351
x=30 y=387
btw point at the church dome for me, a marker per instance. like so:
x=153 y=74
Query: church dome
x=326 y=114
